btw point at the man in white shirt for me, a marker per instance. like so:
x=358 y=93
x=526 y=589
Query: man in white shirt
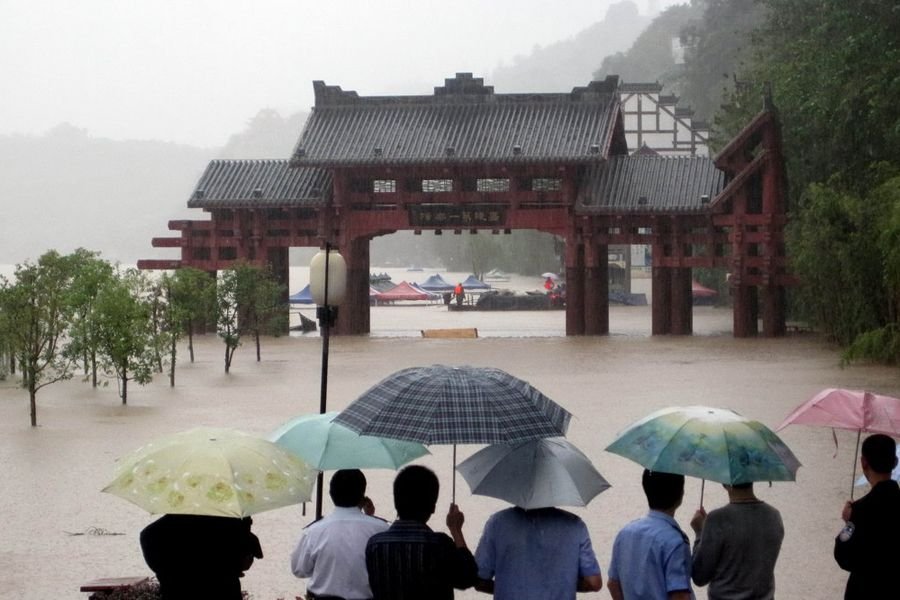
x=331 y=551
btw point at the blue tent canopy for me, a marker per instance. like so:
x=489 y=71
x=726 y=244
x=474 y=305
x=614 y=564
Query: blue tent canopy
x=473 y=283
x=436 y=283
x=431 y=295
x=301 y=297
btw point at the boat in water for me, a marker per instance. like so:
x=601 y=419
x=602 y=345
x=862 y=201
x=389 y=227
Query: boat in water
x=495 y=275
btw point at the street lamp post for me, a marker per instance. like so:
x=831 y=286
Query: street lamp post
x=327 y=284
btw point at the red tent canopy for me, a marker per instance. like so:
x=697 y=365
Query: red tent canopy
x=701 y=291
x=402 y=291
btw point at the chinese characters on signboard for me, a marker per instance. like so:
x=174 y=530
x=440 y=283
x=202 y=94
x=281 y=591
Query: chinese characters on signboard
x=455 y=215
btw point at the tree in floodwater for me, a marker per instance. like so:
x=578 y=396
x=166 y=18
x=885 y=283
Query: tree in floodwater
x=153 y=296
x=125 y=334
x=36 y=314
x=89 y=274
x=228 y=319
x=189 y=297
x=248 y=301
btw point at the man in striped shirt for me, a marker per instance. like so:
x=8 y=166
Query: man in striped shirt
x=409 y=561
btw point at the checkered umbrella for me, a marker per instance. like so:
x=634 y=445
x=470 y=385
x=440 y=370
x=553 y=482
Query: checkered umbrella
x=440 y=404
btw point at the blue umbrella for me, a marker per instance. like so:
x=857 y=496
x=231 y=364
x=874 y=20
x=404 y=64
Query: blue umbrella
x=709 y=443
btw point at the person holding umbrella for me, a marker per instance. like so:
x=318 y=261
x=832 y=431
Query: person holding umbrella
x=543 y=553
x=864 y=547
x=736 y=546
x=199 y=556
x=331 y=552
x=534 y=549
x=651 y=557
x=207 y=482
x=409 y=561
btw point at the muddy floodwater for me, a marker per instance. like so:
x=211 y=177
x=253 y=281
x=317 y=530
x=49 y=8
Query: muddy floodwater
x=53 y=509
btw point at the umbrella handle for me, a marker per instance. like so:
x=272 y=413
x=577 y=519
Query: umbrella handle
x=855 y=460
x=702 y=488
x=453 y=496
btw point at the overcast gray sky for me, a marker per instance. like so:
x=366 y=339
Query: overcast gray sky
x=195 y=71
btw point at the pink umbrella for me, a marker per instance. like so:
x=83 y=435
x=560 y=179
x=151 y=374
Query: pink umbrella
x=849 y=409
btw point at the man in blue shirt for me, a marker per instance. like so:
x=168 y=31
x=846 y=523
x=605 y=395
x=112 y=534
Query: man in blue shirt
x=651 y=557
x=543 y=553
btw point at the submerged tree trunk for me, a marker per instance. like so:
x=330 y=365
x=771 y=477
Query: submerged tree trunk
x=33 y=399
x=93 y=368
x=124 y=386
x=172 y=361
x=32 y=396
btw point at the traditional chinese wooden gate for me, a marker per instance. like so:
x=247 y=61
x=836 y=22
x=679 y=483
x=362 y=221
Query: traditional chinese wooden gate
x=468 y=161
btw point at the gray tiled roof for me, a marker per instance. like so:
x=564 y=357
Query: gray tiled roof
x=666 y=183
x=464 y=122
x=259 y=183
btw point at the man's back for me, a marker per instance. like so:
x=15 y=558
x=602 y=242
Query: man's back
x=737 y=551
x=651 y=558
x=332 y=553
x=535 y=554
x=870 y=552
x=195 y=555
x=409 y=561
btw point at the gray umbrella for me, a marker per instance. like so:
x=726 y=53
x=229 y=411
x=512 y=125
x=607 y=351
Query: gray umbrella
x=440 y=404
x=535 y=474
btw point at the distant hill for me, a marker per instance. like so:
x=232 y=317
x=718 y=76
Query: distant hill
x=65 y=190
x=650 y=58
x=572 y=62
x=267 y=135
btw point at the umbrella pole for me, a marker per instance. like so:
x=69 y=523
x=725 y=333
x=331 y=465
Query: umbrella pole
x=453 y=500
x=702 y=488
x=855 y=460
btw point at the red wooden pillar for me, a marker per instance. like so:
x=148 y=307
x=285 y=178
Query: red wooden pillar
x=746 y=311
x=353 y=315
x=661 y=299
x=772 y=295
x=682 y=309
x=773 y=311
x=574 y=285
x=596 y=289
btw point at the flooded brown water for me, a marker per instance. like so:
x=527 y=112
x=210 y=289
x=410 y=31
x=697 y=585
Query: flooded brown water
x=53 y=473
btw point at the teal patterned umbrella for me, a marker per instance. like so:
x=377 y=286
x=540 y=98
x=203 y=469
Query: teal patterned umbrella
x=328 y=446
x=709 y=443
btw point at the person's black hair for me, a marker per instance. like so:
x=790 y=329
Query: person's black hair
x=415 y=493
x=742 y=486
x=347 y=487
x=880 y=451
x=663 y=490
